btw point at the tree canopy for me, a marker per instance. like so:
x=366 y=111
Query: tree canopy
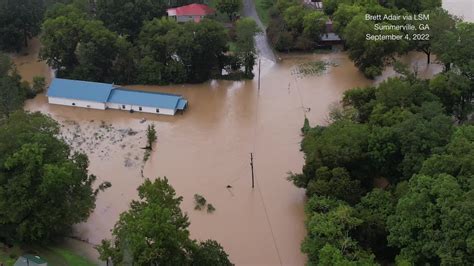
x=127 y=17
x=20 y=20
x=14 y=91
x=432 y=222
x=44 y=187
x=229 y=7
x=116 y=46
x=391 y=176
x=155 y=232
x=246 y=29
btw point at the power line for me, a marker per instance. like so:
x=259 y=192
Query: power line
x=256 y=179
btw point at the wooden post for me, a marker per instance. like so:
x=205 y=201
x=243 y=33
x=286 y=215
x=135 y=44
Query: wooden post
x=251 y=166
x=259 y=63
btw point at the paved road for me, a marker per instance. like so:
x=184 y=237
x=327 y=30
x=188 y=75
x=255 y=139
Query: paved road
x=263 y=48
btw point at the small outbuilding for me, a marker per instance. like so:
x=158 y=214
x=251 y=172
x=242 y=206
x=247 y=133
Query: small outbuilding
x=192 y=12
x=330 y=37
x=95 y=95
x=30 y=260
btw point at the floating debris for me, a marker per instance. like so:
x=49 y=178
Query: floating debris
x=314 y=68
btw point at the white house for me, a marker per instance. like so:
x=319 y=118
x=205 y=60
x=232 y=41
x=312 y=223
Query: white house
x=102 y=96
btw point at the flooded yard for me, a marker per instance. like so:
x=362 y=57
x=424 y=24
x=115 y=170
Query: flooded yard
x=207 y=151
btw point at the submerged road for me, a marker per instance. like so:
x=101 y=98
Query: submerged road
x=261 y=41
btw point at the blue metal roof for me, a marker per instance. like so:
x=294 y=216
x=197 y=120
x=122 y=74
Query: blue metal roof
x=80 y=90
x=182 y=104
x=145 y=99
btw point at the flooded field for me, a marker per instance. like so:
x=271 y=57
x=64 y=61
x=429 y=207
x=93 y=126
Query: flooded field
x=207 y=151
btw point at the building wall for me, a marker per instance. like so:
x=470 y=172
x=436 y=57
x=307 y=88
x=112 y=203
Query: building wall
x=144 y=109
x=186 y=18
x=76 y=103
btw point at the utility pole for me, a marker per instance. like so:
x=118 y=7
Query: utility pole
x=259 y=63
x=251 y=167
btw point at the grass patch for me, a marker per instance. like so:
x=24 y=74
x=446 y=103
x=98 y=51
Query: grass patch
x=53 y=255
x=6 y=259
x=314 y=68
x=71 y=258
x=262 y=10
x=232 y=47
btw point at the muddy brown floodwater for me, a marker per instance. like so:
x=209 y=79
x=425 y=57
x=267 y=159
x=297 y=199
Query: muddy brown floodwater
x=208 y=149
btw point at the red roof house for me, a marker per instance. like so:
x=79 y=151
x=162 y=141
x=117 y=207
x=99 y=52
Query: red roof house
x=192 y=12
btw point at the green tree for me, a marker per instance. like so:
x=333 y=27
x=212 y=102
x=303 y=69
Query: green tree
x=81 y=48
x=39 y=84
x=344 y=15
x=370 y=56
x=62 y=32
x=96 y=53
x=294 y=16
x=341 y=145
x=329 y=222
x=330 y=6
x=150 y=136
x=155 y=231
x=362 y=99
x=314 y=24
x=208 y=45
x=177 y=53
x=246 y=29
x=124 y=69
x=457 y=159
x=421 y=135
x=454 y=49
x=229 y=7
x=127 y=17
x=12 y=91
x=330 y=255
x=374 y=209
x=37 y=171
x=456 y=93
x=416 y=6
x=210 y=252
x=335 y=183
x=432 y=223
x=439 y=23
x=20 y=20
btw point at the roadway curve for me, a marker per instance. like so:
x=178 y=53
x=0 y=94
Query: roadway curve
x=261 y=41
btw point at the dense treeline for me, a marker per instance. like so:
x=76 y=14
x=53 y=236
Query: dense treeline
x=45 y=188
x=391 y=178
x=165 y=52
x=372 y=56
x=111 y=45
x=296 y=27
x=127 y=42
x=19 y=21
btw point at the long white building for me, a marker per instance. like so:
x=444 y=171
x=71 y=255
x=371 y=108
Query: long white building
x=102 y=96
